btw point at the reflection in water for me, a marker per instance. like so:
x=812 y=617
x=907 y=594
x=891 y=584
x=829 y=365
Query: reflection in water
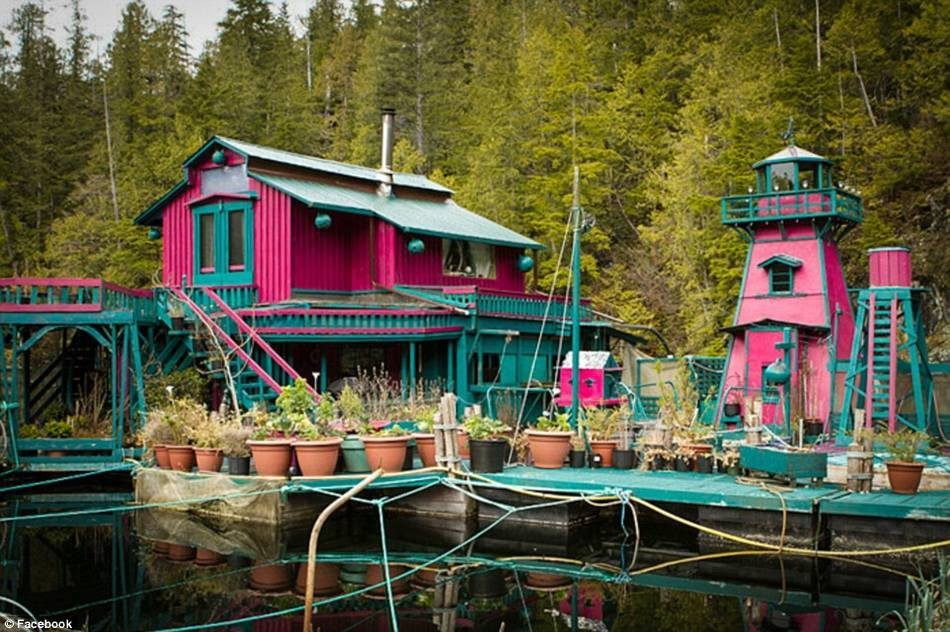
x=153 y=569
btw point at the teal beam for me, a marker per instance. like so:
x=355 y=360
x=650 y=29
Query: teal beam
x=403 y=371
x=461 y=370
x=577 y=214
x=67 y=319
x=323 y=370
x=450 y=367
x=139 y=381
x=412 y=369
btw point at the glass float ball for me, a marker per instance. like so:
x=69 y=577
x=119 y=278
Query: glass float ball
x=322 y=221
x=525 y=263
x=416 y=246
x=218 y=157
x=154 y=233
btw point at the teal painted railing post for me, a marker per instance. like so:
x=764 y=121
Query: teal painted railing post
x=577 y=214
x=412 y=370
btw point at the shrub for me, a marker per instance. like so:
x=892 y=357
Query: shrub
x=558 y=422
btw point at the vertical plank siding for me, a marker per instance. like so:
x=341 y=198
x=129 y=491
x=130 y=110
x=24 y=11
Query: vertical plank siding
x=272 y=243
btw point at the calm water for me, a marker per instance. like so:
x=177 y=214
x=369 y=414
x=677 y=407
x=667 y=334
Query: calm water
x=152 y=569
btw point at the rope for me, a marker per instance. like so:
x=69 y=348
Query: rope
x=127 y=465
x=394 y=619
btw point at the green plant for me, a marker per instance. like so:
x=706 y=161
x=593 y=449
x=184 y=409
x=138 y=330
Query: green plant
x=485 y=429
x=392 y=430
x=558 y=422
x=326 y=410
x=181 y=417
x=927 y=604
x=296 y=400
x=381 y=393
x=233 y=439
x=902 y=445
x=30 y=431
x=58 y=429
x=351 y=406
x=187 y=383
x=208 y=432
x=601 y=423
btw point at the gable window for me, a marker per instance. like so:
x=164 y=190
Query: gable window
x=223 y=243
x=468 y=258
x=226 y=179
x=780 y=279
x=781 y=270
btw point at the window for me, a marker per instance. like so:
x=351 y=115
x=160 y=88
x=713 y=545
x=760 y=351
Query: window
x=223 y=243
x=780 y=278
x=468 y=258
x=783 y=176
x=807 y=178
x=226 y=179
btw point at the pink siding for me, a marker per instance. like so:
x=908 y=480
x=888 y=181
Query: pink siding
x=271 y=244
x=807 y=303
x=178 y=237
x=334 y=259
x=425 y=268
x=890 y=267
x=838 y=297
x=387 y=241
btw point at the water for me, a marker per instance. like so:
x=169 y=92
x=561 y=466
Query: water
x=101 y=566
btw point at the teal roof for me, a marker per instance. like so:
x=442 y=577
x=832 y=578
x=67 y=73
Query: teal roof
x=788 y=260
x=791 y=154
x=250 y=150
x=425 y=217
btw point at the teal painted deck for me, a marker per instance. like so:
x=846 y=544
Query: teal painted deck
x=929 y=505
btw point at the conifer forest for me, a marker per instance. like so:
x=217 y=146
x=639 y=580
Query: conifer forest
x=663 y=104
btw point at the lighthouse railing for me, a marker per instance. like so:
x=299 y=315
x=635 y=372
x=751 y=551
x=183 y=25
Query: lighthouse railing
x=811 y=204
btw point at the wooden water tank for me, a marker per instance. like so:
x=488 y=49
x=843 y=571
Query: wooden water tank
x=890 y=267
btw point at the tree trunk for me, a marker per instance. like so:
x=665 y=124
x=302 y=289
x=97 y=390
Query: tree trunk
x=864 y=92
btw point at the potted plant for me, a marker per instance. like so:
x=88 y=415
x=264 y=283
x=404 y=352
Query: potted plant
x=156 y=435
x=270 y=577
x=550 y=441
x=727 y=461
x=317 y=445
x=425 y=436
x=578 y=453
x=601 y=424
x=625 y=457
x=352 y=413
x=488 y=443
x=182 y=416
x=209 y=454
x=385 y=447
x=234 y=438
x=657 y=458
x=903 y=472
x=270 y=443
x=326 y=579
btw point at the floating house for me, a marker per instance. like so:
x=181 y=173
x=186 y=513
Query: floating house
x=297 y=266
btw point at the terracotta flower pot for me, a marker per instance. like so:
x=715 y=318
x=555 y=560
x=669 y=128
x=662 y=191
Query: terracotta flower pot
x=388 y=453
x=698 y=448
x=272 y=457
x=546 y=581
x=318 y=458
x=160 y=548
x=56 y=453
x=271 y=578
x=904 y=477
x=604 y=448
x=207 y=557
x=549 y=449
x=161 y=456
x=209 y=459
x=181 y=457
x=425 y=577
x=180 y=553
x=326 y=579
x=425 y=444
x=463 y=444
x=375 y=575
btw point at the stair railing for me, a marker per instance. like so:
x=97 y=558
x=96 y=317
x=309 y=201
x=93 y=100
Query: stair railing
x=256 y=338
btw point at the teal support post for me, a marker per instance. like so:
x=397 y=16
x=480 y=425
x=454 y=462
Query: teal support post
x=27 y=378
x=114 y=384
x=403 y=371
x=123 y=390
x=461 y=370
x=323 y=370
x=450 y=367
x=577 y=214
x=139 y=381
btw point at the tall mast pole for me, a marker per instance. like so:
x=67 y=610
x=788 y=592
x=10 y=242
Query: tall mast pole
x=577 y=214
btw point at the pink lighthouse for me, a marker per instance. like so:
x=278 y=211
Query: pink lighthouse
x=793 y=320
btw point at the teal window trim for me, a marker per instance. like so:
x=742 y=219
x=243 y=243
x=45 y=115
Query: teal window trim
x=222 y=273
x=821 y=180
x=781 y=280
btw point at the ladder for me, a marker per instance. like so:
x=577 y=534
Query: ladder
x=888 y=341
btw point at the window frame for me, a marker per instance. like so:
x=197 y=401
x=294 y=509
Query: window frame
x=785 y=268
x=447 y=243
x=223 y=273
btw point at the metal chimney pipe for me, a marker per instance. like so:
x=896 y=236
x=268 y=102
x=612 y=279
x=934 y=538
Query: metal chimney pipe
x=386 y=162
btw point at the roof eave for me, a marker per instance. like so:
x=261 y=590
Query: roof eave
x=146 y=217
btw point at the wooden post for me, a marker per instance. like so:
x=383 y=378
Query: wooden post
x=446 y=433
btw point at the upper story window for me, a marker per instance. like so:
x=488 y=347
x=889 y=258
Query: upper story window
x=783 y=176
x=223 y=245
x=781 y=270
x=468 y=258
x=224 y=179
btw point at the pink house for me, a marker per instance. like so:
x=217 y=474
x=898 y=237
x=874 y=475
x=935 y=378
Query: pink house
x=793 y=313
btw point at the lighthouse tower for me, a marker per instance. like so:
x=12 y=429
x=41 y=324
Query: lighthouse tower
x=793 y=321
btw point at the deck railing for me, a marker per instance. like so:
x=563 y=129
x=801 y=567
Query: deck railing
x=501 y=303
x=768 y=207
x=45 y=294
x=303 y=321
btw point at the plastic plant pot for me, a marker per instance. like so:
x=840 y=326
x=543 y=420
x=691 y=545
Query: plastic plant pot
x=683 y=463
x=326 y=579
x=271 y=577
x=180 y=553
x=624 y=459
x=207 y=557
x=161 y=456
x=605 y=450
x=488 y=455
x=354 y=455
x=549 y=449
x=730 y=410
x=239 y=465
x=388 y=453
x=704 y=464
x=425 y=445
x=409 y=463
x=209 y=459
x=317 y=458
x=271 y=458
x=488 y=584
x=904 y=477
x=578 y=458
